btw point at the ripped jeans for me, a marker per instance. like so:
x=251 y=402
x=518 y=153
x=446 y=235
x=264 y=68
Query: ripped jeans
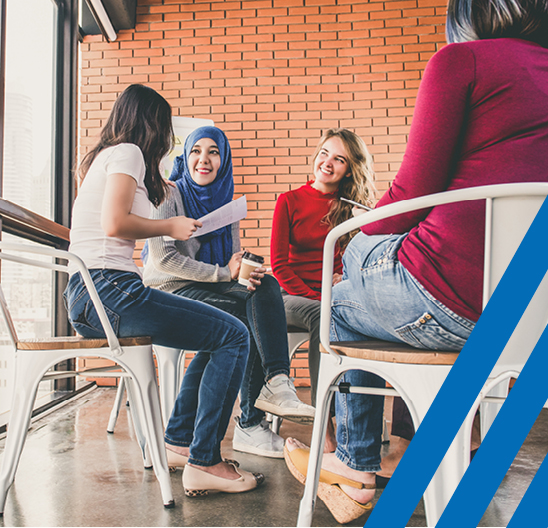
x=378 y=298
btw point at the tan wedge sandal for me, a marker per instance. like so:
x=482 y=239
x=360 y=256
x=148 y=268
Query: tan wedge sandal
x=341 y=506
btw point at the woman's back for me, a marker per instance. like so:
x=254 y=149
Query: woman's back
x=482 y=118
x=87 y=237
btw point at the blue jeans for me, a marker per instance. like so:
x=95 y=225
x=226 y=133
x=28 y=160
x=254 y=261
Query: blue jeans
x=262 y=311
x=378 y=298
x=201 y=420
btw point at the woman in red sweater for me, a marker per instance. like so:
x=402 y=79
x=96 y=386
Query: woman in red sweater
x=481 y=118
x=342 y=167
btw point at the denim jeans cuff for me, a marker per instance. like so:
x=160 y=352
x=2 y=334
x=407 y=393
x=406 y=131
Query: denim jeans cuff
x=203 y=463
x=253 y=423
x=347 y=460
x=179 y=443
x=275 y=373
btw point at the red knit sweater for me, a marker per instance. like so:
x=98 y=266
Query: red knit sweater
x=298 y=234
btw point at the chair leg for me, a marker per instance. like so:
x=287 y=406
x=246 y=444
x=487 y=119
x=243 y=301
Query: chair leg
x=419 y=398
x=275 y=423
x=446 y=479
x=489 y=411
x=168 y=360
x=137 y=419
x=20 y=416
x=385 y=432
x=294 y=341
x=28 y=373
x=117 y=405
x=147 y=404
x=323 y=403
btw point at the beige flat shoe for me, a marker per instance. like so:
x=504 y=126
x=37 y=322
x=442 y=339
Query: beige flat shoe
x=176 y=461
x=197 y=483
x=341 y=506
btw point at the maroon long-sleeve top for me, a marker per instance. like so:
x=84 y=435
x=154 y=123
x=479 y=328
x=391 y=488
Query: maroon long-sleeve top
x=481 y=117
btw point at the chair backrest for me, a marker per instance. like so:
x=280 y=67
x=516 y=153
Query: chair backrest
x=4 y=308
x=511 y=208
x=6 y=316
x=58 y=261
x=507 y=221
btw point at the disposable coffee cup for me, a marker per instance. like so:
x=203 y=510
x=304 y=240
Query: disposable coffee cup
x=250 y=262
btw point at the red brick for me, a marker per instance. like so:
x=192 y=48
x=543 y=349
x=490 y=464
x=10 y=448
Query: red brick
x=273 y=75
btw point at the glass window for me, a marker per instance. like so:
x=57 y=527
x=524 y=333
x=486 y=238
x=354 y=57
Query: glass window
x=31 y=84
x=29 y=104
x=29 y=295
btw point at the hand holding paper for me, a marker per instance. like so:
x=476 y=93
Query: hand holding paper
x=225 y=215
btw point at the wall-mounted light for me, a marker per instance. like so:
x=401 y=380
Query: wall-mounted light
x=101 y=17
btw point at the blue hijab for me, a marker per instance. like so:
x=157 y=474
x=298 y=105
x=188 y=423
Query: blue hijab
x=198 y=200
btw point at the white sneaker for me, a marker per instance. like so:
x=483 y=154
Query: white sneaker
x=258 y=440
x=279 y=397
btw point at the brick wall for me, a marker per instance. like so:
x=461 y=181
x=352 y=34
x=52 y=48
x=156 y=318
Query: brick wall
x=273 y=74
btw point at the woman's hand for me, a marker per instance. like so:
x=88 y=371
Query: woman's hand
x=234 y=264
x=182 y=227
x=337 y=277
x=255 y=278
x=357 y=211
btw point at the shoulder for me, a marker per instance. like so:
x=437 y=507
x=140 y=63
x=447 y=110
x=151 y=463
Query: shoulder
x=449 y=71
x=126 y=158
x=283 y=202
x=124 y=150
x=453 y=56
x=295 y=194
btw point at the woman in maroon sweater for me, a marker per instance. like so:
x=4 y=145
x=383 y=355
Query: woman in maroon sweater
x=481 y=117
x=342 y=167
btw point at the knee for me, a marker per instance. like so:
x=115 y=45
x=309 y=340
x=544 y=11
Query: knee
x=236 y=333
x=269 y=285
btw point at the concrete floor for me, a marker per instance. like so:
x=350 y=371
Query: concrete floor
x=72 y=473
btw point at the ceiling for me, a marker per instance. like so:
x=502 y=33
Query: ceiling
x=122 y=14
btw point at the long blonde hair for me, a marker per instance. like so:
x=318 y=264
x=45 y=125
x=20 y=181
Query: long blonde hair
x=357 y=185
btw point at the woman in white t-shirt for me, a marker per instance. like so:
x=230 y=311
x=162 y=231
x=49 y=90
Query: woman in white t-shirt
x=120 y=179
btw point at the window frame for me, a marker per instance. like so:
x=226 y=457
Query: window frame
x=26 y=224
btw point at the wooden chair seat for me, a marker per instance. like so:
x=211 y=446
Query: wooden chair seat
x=377 y=350
x=75 y=342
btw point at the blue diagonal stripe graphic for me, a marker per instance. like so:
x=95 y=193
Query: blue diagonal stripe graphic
x=475 y=362
x=532 y=511
x=502 y=443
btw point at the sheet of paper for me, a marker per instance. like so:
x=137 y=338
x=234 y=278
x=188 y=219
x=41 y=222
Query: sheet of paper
x=225 y=215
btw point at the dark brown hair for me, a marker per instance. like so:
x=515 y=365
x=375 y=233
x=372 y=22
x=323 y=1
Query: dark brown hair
x=489 y=19
x=140 y=116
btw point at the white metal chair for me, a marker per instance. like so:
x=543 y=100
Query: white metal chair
x=170 y=362
x=170 y=365
x=417 y=375
x=34 y=358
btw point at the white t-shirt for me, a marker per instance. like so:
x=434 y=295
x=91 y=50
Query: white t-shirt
x=87 y=238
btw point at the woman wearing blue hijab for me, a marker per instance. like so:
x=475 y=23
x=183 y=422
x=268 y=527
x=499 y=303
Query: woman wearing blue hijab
x=206 y=269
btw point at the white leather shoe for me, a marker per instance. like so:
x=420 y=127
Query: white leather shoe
x=279 y=397
x=258 y=440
